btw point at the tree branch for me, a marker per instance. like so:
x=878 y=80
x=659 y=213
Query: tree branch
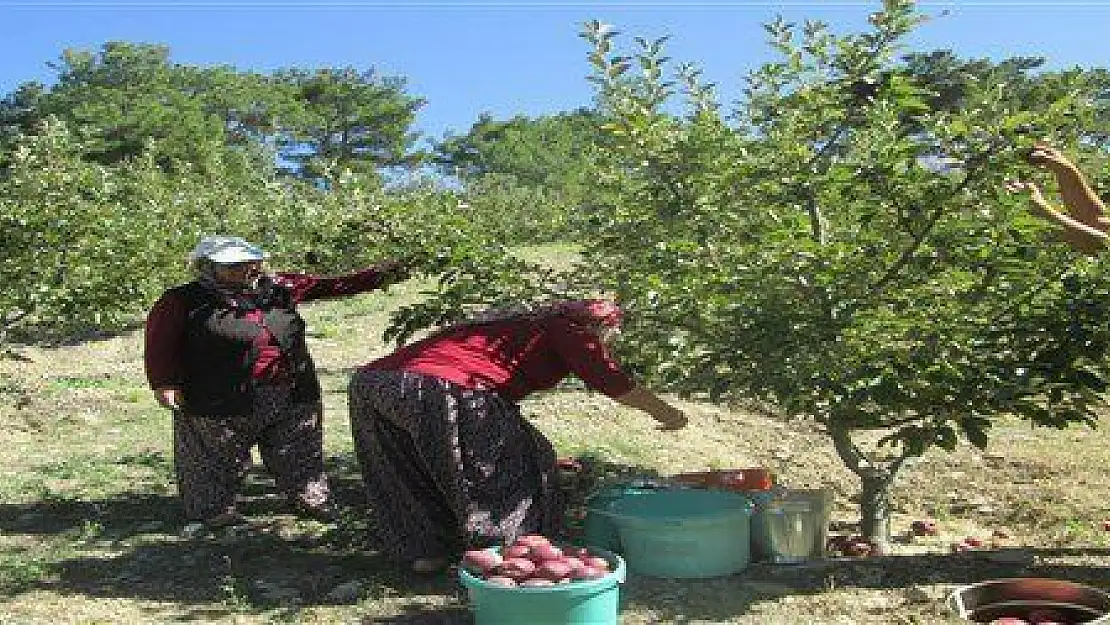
x=847 y=450
x=918 y=239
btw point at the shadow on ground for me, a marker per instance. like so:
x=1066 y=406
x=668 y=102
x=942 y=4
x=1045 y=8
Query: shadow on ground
x=132 y=546
x=448 y=616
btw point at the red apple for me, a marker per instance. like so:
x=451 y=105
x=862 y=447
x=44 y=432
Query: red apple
x=573 y=563
x=532 y=540
x=925 y=527
x=554 y=570
x=838 y=544
x=596 y=562
x=858 y=549
x=577 y=552
x=517 y=568
x=973 y=541
x=516 y=551
x=480 y=561
x=543 y=553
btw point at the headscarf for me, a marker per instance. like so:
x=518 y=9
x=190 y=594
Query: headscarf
x=591 y=312
x=588 y=312
x=595 y=313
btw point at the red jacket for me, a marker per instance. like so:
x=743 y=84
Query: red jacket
x=513 y=357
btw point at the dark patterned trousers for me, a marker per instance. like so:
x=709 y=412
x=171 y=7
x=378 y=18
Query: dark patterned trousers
x=448 y=468
x=212 y=454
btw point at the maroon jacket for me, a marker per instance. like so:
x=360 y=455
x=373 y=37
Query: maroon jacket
x=216 y=348
x=513 y=357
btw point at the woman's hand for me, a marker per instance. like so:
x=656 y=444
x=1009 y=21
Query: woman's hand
x=668 y=417
x=1044 y=155
x=672 y=419
x=1039 y=206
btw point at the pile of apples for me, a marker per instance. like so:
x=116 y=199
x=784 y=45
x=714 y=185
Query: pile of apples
x=1036 y=617
x=533 y=560
x=854 y=546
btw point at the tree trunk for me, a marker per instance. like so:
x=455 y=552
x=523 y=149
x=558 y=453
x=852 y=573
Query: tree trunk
x=874 y=507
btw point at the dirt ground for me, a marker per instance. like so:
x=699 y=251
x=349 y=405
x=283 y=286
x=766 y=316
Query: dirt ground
x=90 y=531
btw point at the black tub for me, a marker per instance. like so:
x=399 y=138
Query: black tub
x=1025 y=597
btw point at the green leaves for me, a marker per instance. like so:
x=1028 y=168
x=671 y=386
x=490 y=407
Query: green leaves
x=344 y=119
x=843 y=249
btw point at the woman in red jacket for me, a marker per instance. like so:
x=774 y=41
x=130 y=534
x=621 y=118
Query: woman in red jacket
x=447 y=458
x=227 y=354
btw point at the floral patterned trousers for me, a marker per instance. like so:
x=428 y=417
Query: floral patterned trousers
x=448 y=468
x=212 y=454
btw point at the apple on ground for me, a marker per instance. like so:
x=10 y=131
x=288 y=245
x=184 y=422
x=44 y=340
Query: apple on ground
x=858 y=548
x=924 y=527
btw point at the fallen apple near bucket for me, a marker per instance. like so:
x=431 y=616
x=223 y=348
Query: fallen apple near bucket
x=1030 y=600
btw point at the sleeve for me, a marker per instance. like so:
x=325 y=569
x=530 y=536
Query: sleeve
x=306 y=287
x=163 y=354
x=588 y=358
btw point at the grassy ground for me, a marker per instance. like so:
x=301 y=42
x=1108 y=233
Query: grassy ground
x=90 y=531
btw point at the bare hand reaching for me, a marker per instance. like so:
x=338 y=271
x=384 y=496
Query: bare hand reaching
x=671 y=420
x=1045 y=155
x=1039 y=206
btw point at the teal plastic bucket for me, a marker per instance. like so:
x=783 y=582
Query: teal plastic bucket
x=685 y=533
x=598 y=529
x=588 y=602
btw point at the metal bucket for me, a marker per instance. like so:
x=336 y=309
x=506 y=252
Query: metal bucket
x=1030 y=598
x=793 y=526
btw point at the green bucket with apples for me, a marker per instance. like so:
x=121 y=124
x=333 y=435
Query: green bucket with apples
x=584 y=602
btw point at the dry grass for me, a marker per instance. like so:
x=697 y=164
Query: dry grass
x=90 y=531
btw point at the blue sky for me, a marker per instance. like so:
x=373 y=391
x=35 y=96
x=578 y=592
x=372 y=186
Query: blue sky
x=507 y=58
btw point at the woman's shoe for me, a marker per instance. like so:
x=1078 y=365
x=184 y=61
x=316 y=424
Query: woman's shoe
x=225 y=519
x=423 y=566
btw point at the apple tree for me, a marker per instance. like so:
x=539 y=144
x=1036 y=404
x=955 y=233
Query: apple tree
x=841 y=246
